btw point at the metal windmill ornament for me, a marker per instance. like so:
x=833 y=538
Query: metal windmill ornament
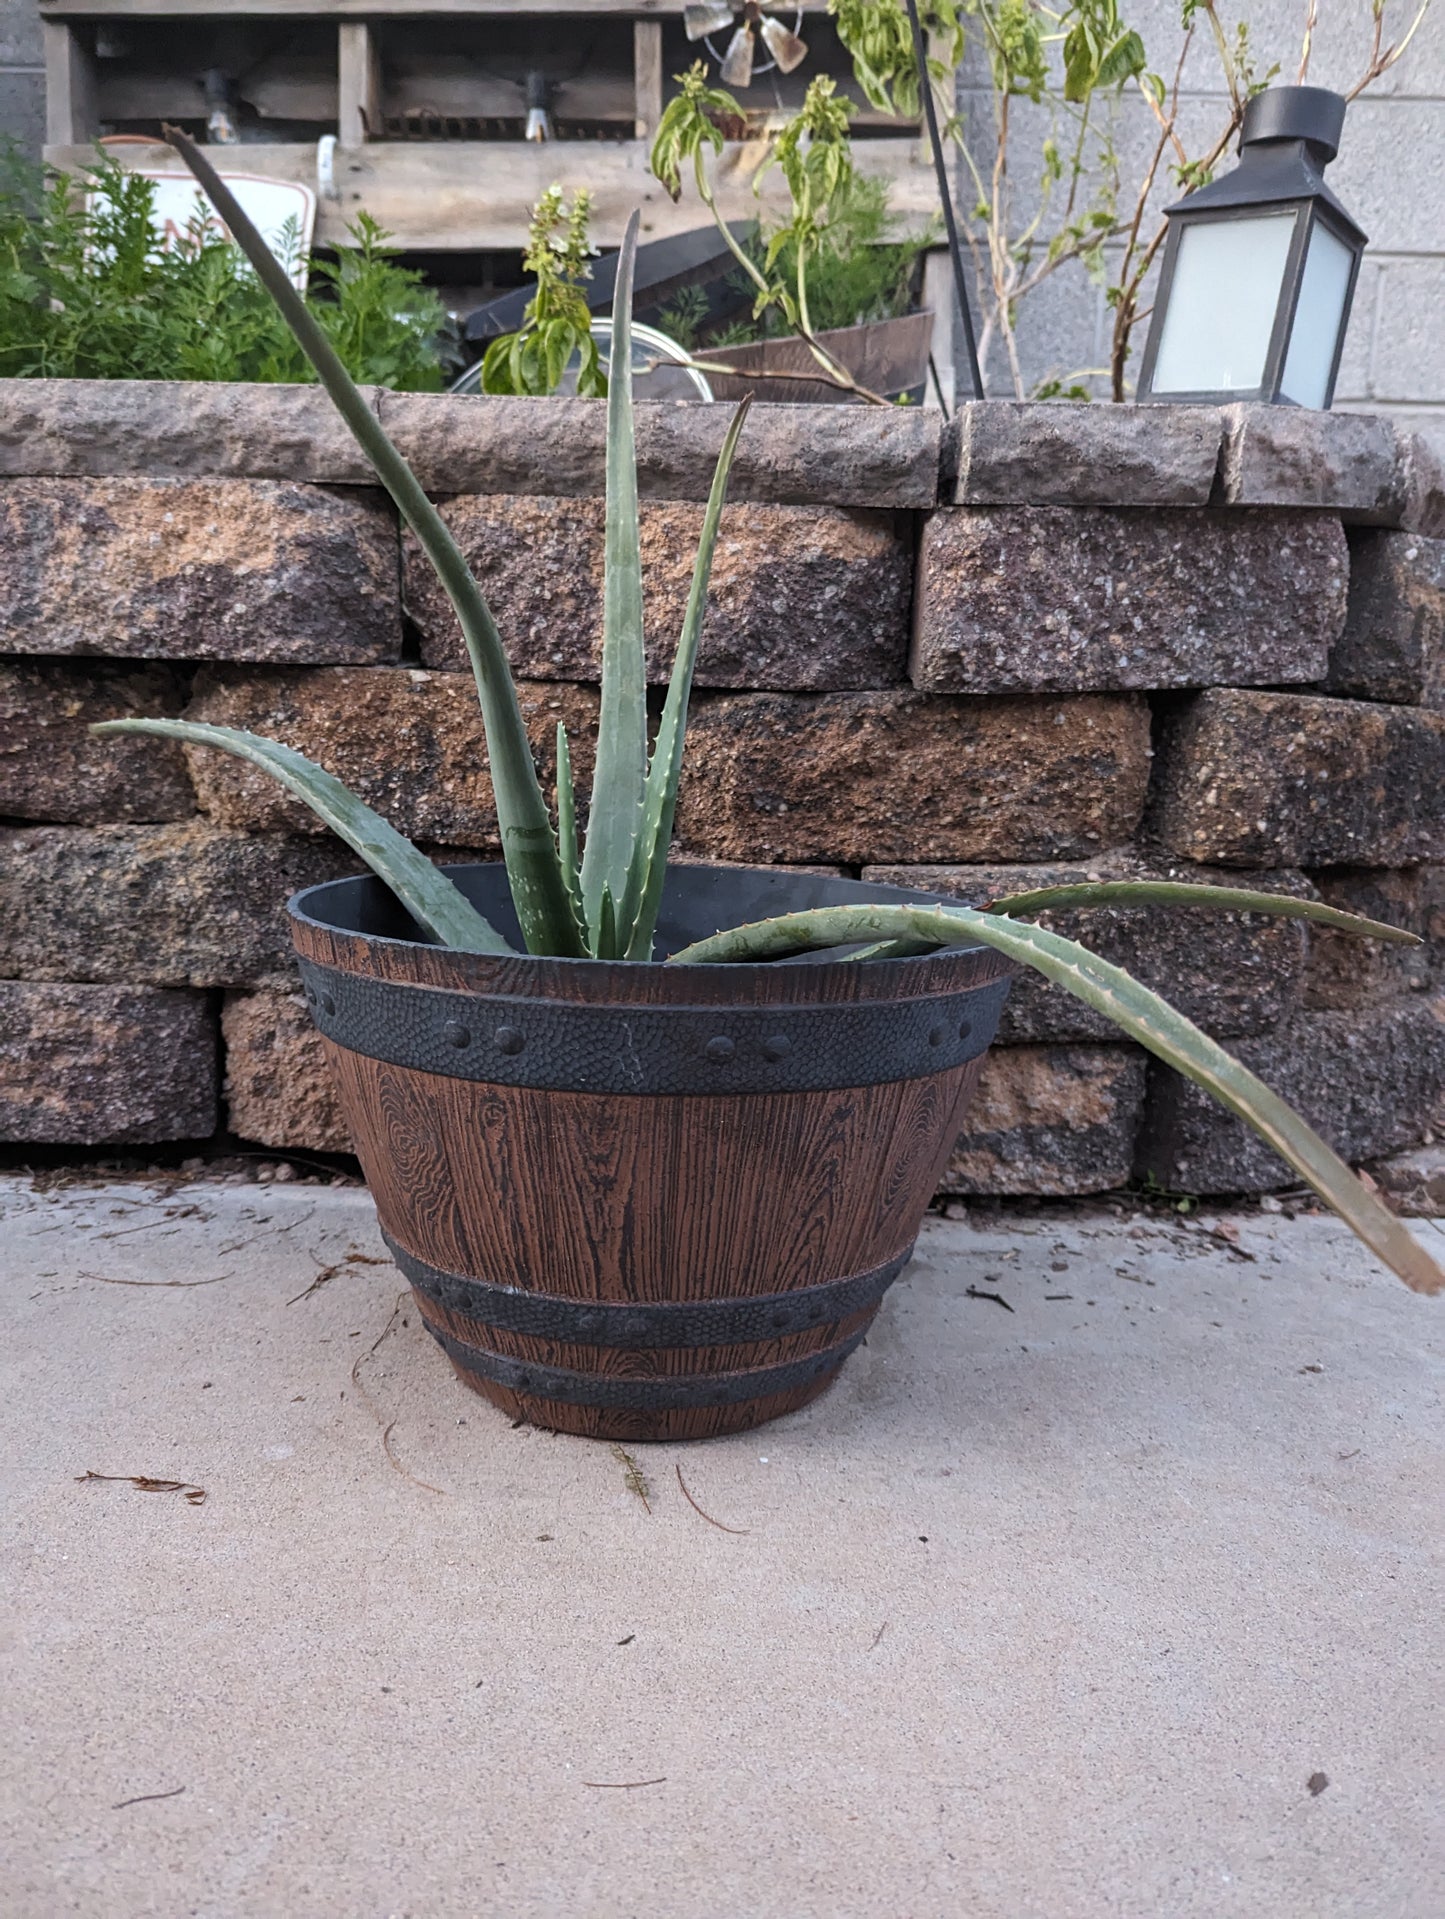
x=739 y=66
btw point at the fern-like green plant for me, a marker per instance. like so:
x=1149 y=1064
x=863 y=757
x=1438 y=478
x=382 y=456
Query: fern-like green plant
x=602 y=901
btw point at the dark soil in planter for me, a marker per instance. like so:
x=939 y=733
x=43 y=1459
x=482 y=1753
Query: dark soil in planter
x=642 y=1202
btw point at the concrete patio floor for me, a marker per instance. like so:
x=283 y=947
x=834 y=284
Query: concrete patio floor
x=1064 y=1610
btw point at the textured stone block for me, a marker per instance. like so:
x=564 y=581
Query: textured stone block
x=52 y=768
x=409 y=742
x=1294 y=456
x=862 y=777
x=1051 y=1120
x=1393 y=643
x=800 y=596
x=1035 y=453
x=202 y=569
x=1414 y=1182
x=1370 y=1082
x=1343 y=972
x=154 y=905
x=279 y=1089
x=1228 y=972
x=1077 y=599
x=177 y=429
x=789 y=455
x=1255 y=779
x=1424 y=508
x=105 y=1065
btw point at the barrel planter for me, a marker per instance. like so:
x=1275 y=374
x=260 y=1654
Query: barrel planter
x=635 y=1201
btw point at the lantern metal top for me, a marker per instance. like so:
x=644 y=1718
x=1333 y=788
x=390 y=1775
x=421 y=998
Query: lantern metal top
x=1288 y=138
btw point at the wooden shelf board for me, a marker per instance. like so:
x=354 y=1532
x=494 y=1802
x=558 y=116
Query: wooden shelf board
x=475 y=196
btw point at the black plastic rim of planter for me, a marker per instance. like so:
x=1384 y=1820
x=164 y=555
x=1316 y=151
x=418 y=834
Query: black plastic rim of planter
x=697 y=901
x=655 y=1324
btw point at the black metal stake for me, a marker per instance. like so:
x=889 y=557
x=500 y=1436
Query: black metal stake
x=940 y=168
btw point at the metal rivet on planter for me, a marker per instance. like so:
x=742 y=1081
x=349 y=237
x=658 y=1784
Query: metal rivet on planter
x=719 y=1049
x=777 y=1046
x=455 y=1034
x=328 y=1004
x=509 y=1039
x=936 y=1036
x=965 y=1027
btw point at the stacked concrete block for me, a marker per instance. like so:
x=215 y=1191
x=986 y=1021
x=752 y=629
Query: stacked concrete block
x=1039 y=644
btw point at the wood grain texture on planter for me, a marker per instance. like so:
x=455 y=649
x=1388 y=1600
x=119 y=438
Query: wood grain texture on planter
x=1050 y=1120
x=1371 y=1082
x=1071 y=599
x=185 y=905
x=1393 y=643
x=279 y=1089
x=869 y=777
x=585 y=1199
x=105 y=1065
x=197 y=569
x=1228 y=972
x=53 y=768
x=801 y=597
x=1254 y=779
x=408 y=741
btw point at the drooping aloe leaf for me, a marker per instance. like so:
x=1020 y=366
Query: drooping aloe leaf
x=423 y=889
x=1221 y=899
x=534 y=871
x=1135 y=1010
x=615 y=817
x=649 y=859
x=567 y=823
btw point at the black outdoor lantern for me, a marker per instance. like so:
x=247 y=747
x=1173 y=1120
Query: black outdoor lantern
x=1259 y=267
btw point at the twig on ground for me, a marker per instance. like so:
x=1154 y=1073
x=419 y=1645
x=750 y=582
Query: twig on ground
x=194 y=1495
x=740 y=1531
x=141 y=1798
x=371 y=1406
x=633 y=1477
x=998 y=1299
x=102 y=1279
x=623 y=1785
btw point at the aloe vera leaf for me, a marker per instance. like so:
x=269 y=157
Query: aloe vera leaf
x=423 y=889
x=606 y=947
x=1223 y=899
x=567 y=823
x=615 y=818
x=534 y=871
x=649 y=860
x=1137 y=1011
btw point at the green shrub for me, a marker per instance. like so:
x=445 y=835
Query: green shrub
x=85 y=293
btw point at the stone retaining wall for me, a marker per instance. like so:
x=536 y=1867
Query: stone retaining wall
x=1046 y=641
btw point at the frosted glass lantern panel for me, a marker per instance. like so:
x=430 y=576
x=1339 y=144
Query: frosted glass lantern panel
x=1318 y=318
x=1222 y=305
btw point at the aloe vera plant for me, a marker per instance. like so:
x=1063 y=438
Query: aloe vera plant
x=597 y=896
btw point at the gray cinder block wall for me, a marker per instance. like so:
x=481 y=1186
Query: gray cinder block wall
x=1390 y=173
x=22 y=76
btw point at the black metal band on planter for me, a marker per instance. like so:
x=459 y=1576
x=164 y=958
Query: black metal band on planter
x=564 y=1047
x=648 y=1395
x=702 y=1322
